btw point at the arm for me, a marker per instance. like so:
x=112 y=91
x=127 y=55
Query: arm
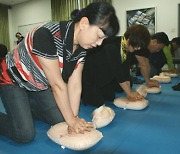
x=60 y=92
x=126 y=87
x=145 y=70
x=59 y=87
x=144 y=66
x=131 y=95
x=74 y=88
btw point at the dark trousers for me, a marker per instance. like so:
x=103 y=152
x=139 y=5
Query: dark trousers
x=21 y=107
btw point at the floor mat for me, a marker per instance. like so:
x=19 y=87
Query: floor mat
x=154 y=130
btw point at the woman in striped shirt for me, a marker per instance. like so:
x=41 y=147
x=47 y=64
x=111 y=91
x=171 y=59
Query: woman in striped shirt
x=46 y=69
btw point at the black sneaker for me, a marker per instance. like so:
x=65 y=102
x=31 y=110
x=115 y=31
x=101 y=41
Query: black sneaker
x=176 y=87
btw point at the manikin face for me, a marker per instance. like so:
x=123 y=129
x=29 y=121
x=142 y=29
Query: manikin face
x=89 y=36
x=154 y=46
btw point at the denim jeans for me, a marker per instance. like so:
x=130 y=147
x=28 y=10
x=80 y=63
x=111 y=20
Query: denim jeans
x=21 y=107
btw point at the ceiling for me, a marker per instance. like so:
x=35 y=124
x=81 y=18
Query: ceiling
x=12 y=2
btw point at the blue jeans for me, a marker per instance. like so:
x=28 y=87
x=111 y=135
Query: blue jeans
x=22 y=107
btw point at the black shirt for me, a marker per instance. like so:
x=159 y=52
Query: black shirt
x=143 y=53
x=103 y=64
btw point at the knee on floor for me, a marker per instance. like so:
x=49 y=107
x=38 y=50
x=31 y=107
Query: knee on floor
x=23 y=135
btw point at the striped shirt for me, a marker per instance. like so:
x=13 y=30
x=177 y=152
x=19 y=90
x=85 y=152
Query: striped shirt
x=47 y=41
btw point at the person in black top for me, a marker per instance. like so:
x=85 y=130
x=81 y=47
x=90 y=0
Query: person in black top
x=108 y=66
x=158 y=54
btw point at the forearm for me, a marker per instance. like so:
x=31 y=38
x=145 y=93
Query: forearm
x=131 y=95
x=75 y=88
x=74 y=98
x=60 y=92
x=58 y=86
x=126 y=87
x=75 y=124
x=145 y=69
x=63 y=102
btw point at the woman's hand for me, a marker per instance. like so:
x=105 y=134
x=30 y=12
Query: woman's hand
x=134 y=96
x=152 y=83
x=78 y=125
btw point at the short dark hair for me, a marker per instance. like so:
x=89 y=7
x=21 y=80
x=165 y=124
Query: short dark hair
x=176 y=40
x=161 y=37
x=74 y=13
x=3 y=50
x=18 y=33
x=138 y=36
x=102 y=14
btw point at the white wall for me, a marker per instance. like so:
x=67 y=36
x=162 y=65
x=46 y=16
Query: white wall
x=27 y=14
x=166 y=17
